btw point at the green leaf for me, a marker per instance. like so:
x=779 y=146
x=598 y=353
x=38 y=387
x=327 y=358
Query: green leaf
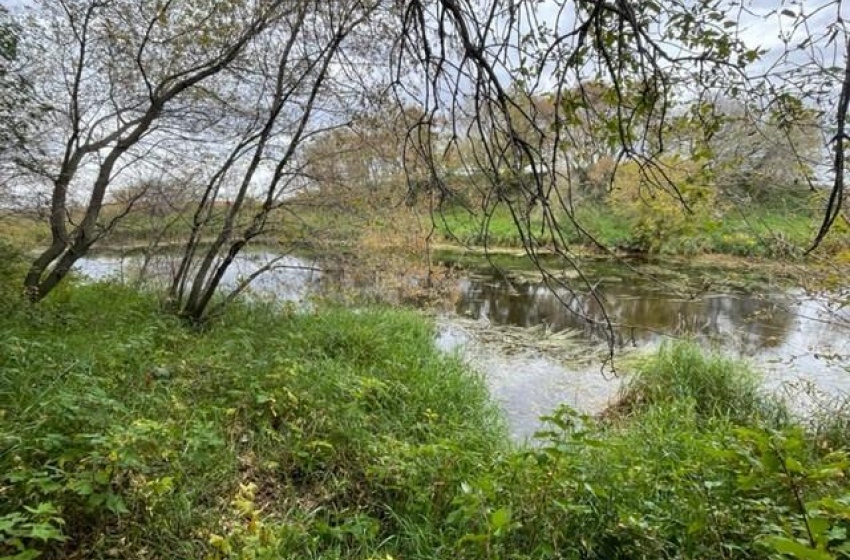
x=27 y=554
x=83 y=487
x=45 y=532
x=500 y=519
x=103 y=476
x=793 y=465
x=44 y=508
x=819 y=526
x=796 y=549
x=837 y=533
x=9 y=522
x=115 y=504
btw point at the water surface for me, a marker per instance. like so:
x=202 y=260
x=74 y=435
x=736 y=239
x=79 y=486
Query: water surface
x=799 y=340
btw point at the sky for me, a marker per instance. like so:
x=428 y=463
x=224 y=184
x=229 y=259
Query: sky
x=764 y=29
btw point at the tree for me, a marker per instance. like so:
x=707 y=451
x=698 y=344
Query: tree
x=361 y=158
x=753 y=153
x=235 y=91
x=17 y=107
x=131 y=79
x=655 y=214
x=294 y=99
x=14 y=94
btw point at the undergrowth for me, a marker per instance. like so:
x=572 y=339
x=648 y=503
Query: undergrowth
x=344 y=434
x=298 y=435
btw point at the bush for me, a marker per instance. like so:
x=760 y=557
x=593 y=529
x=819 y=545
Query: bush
x=670 y=484
x=671 y=201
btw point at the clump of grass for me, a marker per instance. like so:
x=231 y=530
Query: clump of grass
x=682 y=372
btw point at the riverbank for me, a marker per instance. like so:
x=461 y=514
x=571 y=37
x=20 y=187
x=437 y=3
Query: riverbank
x=779 y=233
x=344 y=433
x=123 y=430
x=783 y=229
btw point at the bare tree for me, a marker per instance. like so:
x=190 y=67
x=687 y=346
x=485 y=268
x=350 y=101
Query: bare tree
x=295 y=95
x=121 y=79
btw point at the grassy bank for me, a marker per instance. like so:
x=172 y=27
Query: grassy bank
x=777 y=233
x=345 y=434
x=303 y=436
x=781 y=229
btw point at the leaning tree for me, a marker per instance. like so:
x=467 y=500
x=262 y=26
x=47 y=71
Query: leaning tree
x=118 y=78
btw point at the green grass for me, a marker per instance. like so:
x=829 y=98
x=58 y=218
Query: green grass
x=345 y=434
x=717 y=386
x=777 y=232
x=330 y=432
x=780 y=229
x=457 y=224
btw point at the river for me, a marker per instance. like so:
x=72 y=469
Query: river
x=538 y=348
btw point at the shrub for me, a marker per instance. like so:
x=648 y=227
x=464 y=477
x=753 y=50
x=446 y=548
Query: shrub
x=662 y=203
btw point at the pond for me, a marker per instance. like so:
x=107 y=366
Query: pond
x=538 y=347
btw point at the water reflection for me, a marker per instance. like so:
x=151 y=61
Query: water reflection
x=288 y=278
x=640 y=314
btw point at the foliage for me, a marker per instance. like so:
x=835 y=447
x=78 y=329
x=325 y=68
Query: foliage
x=670 y=484
x=780 y=229
x=17 y=108
x=718 y=386
x=703 y=467
x=141 y=436
x=345 y=434
x=663 y=201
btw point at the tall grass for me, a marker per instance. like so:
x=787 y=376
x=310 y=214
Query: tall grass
x=683 y=372
x=344 y=434
x=329 y=431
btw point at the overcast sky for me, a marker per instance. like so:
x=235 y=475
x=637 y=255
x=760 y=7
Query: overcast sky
x=763 y=30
